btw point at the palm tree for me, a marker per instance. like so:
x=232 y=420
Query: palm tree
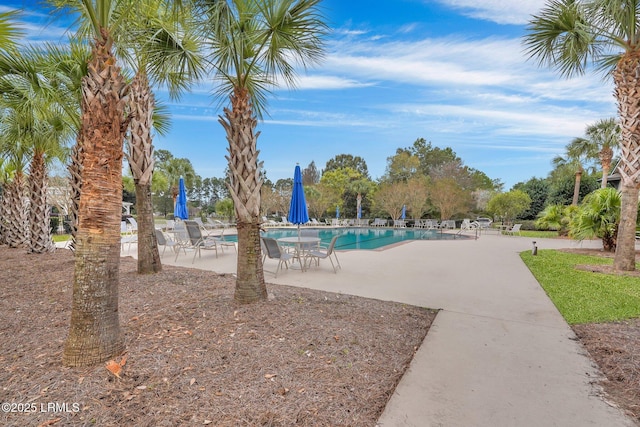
x=40 y=124
x=174 y=168
x=605 y=136
x=159 y=45
x=254 y=44
x=574 y=159
x=15 y=196
x=598 y=216
x=567 y=35
x=95 y=334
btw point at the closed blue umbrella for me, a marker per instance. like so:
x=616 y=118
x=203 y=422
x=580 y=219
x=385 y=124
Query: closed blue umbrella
x=180 y=210
x=298 y=208
x=337 y=211
x=359 y=211
x=404 y=212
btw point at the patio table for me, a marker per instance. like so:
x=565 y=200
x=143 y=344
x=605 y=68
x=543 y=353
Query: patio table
x=301 y=244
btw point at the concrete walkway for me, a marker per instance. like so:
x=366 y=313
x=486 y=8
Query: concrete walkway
x=498 y=354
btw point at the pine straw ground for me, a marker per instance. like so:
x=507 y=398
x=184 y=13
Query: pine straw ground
x=195 y=357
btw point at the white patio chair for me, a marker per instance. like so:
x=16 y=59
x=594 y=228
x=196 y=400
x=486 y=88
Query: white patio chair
x=126 y=236
x=513 y=230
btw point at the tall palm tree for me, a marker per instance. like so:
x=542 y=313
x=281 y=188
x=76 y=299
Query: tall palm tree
x=568 y=35
x=32 y=85
x=577 y=154
x=15 y=151
x=94 y=333
x=161 y=47
x=605 y=136
x=254 y=44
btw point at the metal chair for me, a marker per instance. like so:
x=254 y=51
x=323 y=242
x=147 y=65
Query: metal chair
x=274 y=251
x=319 y=254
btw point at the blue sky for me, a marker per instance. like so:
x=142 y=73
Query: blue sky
x=450 y=71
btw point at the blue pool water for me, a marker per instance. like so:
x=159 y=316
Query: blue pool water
x=365 y=238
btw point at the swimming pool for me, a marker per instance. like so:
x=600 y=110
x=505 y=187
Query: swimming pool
x=366 y=238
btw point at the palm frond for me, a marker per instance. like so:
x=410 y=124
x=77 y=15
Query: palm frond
x=560 y=37
x=10 y=31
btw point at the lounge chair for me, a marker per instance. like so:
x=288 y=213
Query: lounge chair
x=468 y=225
x=273 y=251
x=513 y=230
x=399 y=223
x=127 y=237
x=133 y=225
x=222 y=242
x=165 y=242
x=285 y=221
x=269 y=222
x=197 y=241
x=319 y=254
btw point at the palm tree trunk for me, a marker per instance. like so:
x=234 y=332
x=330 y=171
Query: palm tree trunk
x=17 y=227
x=149 y=257
x=3 y=216
x=625 y=257
x=94 y=333
x=606 y=156
x=244 y=186
x=576 y=188
x=40 y=241
x=140 y=159
x=75 y=182
x=626 y=77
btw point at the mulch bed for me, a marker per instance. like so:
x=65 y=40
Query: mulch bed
x=195 y=357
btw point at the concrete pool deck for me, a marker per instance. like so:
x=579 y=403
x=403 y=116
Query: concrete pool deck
x=498 y=354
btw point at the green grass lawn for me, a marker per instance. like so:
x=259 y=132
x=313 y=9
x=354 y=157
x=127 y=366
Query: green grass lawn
x=61 y=237
x=544 y=234
x=582 y=296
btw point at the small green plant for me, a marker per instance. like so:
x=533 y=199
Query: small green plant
x=598 y=216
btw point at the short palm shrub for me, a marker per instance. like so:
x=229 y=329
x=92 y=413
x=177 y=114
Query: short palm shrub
x=598 y=217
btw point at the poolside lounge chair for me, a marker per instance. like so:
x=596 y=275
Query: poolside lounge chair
x=165 y=242
x=319 y=254
x=222 y=242
x=513 y=230
x=468 y=225
x=197 y=241
x=273 y=251
x=127 y=237
x=269 y=222
x=133 y=225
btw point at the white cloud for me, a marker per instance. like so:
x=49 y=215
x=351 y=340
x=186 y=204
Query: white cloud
x=452 y=62
x=327 y=82
x=499 y=11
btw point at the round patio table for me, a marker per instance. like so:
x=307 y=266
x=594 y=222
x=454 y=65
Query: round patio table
x=302 y=244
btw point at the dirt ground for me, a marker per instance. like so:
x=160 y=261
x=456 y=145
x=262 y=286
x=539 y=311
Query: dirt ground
x=195 y=357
